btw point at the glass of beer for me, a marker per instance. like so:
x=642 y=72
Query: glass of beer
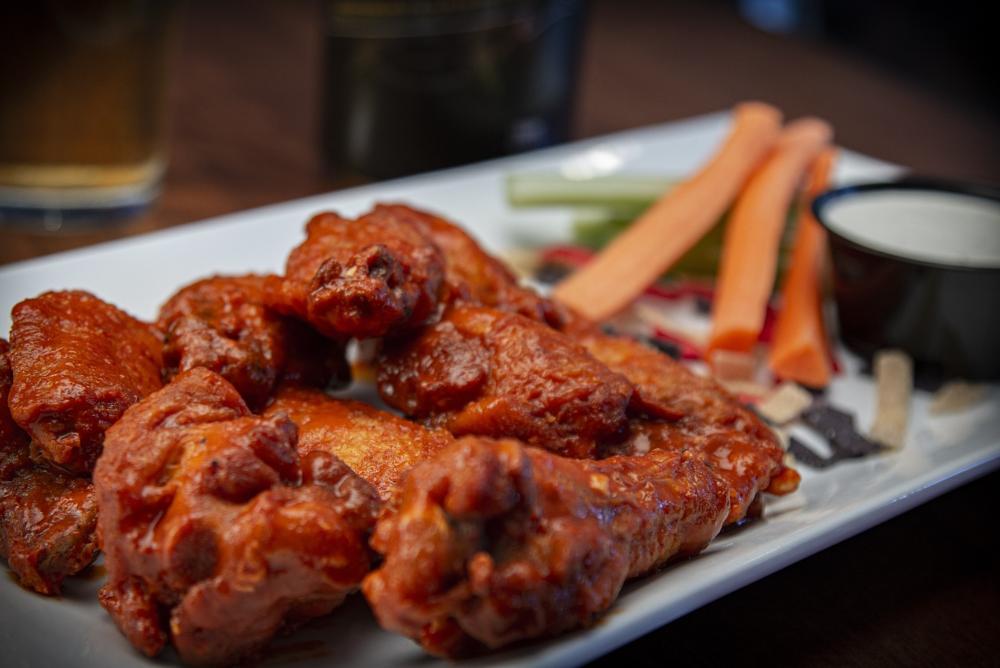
x=81 y=108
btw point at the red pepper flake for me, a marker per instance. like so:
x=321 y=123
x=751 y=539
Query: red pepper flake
x=835 y=364
x=767 y=329
x=675 y=290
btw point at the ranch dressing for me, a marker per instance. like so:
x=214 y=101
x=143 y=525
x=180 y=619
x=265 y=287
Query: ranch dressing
x=924 y=225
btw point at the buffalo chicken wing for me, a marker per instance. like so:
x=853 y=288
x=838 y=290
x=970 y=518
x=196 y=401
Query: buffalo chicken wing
x=47 y=517
x=496 y=542
x=394 y=269
x=472 y=275
x=211 y=521
x=490 y=373
x=222 y=324
x=362 y=278
x=78 y=364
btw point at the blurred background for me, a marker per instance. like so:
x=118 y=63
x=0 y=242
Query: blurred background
x=219 y=106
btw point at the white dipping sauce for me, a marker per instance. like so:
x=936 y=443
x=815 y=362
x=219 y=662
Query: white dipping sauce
x=927 y=225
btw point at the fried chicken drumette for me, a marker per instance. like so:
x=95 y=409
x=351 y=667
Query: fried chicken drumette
x=496 y=542
x=78 y=364
x=362 y=278
x=491 y=373
x=222 y=324
x=379 y=446
x=210 y=520
x=47 y=517
x=392 y=270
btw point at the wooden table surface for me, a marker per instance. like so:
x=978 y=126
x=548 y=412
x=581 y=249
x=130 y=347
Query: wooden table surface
x=919 y=590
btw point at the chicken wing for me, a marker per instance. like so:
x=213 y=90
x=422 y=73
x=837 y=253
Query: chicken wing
x=47 y=525
x=210 y=520
x=472 y=275
x=78 y=364
x=222 y=324
x=362 y=278
x=743 y=452
x=377 y=445
x=496 y=542
x=47 y=518
x=486 y=372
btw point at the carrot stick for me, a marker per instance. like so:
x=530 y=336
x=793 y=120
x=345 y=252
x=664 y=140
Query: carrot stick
x=800 y=347
x=750 y=246
x=675 y=222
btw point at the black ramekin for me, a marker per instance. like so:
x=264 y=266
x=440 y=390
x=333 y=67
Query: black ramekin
x=946 y=317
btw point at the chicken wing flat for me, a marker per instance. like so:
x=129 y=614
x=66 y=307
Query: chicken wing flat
x=472 y=275
x=496 y=542
x=742 y=451
x=377 y=445
x=47 y=525
x=480 y=371
x=362 y=278
x=47 y=518
x=78 y=364
x=210 y=520
x=222 y=324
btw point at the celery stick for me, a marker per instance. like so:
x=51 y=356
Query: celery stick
x=585 y=215
x=619 y=190
x=605 y=206
x=595 y=234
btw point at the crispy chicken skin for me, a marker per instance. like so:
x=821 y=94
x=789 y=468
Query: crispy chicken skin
x=222 y=324
x=78 y=364
x=362 y=278
x=47 y=518
x=496 y=542
x=741 y=450
x=490 y=373
x=377 y=445
x=209 y=519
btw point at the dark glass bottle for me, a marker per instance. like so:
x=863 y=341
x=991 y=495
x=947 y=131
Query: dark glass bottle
x=420 y=85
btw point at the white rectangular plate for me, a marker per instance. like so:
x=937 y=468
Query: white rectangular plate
x=140 y=273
